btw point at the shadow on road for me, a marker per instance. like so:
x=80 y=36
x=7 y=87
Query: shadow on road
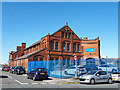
x=1 y=76
x=95 y=83
x=116 y=81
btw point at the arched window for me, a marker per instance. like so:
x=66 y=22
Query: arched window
x=69 y=35
x=64 y=46
x=56 y=46
x=78 y=47
x=41 y=58
x=62 y=34
x=68 y=45
x=52 y=45
x=35 y=58
x=74 y=47
x=66 y=35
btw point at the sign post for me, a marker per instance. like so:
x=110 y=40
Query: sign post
x=75 y=58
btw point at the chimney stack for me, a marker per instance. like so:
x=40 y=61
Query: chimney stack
x=85 y=38
x=18 y=48
x=23 y=45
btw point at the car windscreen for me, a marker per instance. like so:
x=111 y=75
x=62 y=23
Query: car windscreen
x=20 y=67
x=41 y=70
x=91 y=72
x=7 y=67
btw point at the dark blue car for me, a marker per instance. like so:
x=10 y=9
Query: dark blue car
x=38 y=73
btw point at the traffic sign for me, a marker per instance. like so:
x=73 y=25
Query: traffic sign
x=75 y=57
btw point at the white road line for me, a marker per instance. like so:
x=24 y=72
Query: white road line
x=43 y=83
x=34 y=83
x=9 y=76
x=20 y=82
x=51 y=83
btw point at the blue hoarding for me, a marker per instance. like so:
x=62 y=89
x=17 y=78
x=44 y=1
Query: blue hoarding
x=89 y=50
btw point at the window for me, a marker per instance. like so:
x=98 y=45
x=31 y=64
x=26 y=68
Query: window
x=45 y=44
x=69 y=35
x=35 y=58
x=52 y=45
x=16 y=56
x=63 y=46
x=41 y=58
x=56 y=46
x=104 y=73
x=62 y=35
x=68 y=46
x=78 y=47
x=66 y=35
x=99 y=73
x=74 y=47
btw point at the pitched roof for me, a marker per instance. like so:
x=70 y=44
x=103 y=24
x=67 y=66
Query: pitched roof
x=64 y=27
x=28 y=55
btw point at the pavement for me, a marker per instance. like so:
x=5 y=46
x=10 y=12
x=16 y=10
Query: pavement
x=8 y=80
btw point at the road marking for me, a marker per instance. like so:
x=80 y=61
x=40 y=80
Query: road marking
x=43 y=83
x=51 y=83
x=9 y=76
x=20 y=82
x=34 y=83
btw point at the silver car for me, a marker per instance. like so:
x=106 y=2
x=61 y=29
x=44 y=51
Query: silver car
x=96 y=76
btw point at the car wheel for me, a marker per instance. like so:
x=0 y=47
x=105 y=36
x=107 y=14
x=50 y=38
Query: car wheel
x=92 y=81
x=34 y=78
x=28 y=77
x=66 y=72
x=110 y=81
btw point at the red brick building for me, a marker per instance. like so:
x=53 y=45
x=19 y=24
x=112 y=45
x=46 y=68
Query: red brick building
x=58 y=46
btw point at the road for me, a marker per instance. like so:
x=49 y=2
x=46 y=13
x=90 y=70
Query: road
x=20 y=81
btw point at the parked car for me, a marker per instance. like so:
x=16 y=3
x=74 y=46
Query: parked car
x=96 y=76
x=116 y=76
x=3 y=68
x=91 y=67
x=37 y=73
x=7 y=69
x=12 y=69
x=72 y=70
x=108 y=68
x=19 y=70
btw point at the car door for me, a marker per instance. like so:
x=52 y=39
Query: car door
x=104 y=76
x=98 y=77
x=32 y=73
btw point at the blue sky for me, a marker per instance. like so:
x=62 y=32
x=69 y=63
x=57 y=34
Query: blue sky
x=29 y=22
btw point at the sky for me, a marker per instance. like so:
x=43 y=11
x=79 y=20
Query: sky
x=29 y=22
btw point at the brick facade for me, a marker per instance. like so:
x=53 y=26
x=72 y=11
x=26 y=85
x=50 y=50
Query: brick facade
x=58 y=46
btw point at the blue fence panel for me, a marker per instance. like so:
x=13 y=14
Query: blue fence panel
x=68 y=68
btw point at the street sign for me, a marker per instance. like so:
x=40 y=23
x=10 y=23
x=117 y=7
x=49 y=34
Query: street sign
x=75 y=57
